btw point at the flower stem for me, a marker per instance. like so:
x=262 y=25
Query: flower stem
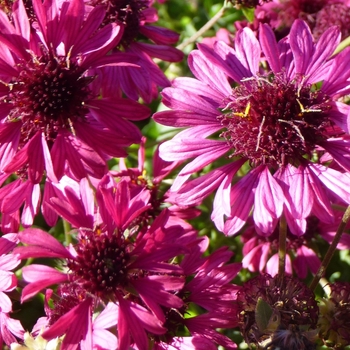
x=206 y=27
x=282 y=246
x=331 y=249
x=345 y=43
x=67 y=228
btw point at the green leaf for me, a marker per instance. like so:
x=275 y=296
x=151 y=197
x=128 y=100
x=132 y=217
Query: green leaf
x=248 y=13
x=263 y=313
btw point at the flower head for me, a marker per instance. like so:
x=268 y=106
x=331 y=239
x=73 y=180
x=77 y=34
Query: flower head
x=278 y=123
x=111 y=261
x=51 y=102
x=277 y=312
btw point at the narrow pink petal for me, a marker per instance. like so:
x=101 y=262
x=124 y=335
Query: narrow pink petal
x=242 y=199
x=34 y=288
x=43 y=242
x=226 y=59
x=248 y=50
x=324 y=48
x=269 y=46
x=301 y=193
x=9 y=262
x=335 y=181
x=301 y=43
x=208 y=73
x=182 y=149
x=160 y=35
x=5 y=303
x=20 y=19
x=79 y=317
x=163 y=52
x=107 y=318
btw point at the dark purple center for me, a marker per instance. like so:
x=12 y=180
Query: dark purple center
x=48 y=95
x=271 y=121
x=101 y=264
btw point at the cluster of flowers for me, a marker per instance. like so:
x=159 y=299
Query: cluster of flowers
x=265 y=125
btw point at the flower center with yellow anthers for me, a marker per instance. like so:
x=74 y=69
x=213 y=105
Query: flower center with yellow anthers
x=271 y=121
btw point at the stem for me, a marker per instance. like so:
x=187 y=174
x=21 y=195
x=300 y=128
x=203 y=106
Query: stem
x=331 y=249
x=345 y=43
x=206 y=27
x=282 y=246
x=67 y=228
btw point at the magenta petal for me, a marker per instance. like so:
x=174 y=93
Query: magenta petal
x=270 y=48
x=242 y=199
x=42 y=245
x=42 y=277
x=301 y=43
x=301 y=193
x=206 y=72
x=78 y=316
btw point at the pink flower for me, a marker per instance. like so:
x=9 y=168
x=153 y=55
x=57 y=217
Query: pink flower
x=112 y=261
x=275 y=124
x=51 y=103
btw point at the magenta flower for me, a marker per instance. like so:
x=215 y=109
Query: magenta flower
x=276 y=123
x=51 y=102
x=137 y=17
x=112 y=261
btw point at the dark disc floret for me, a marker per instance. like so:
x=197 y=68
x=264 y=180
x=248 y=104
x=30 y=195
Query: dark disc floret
x=100 y=266
x=274 y=121
x=48 y=95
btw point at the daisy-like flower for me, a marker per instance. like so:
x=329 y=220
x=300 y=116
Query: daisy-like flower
x=50 y=99
x=277 y=123
x=112 y=261
x=137 y=17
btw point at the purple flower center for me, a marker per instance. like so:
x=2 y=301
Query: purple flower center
x=272 y=121
x=101 y=264
x=48 y=94
x=125 y=12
